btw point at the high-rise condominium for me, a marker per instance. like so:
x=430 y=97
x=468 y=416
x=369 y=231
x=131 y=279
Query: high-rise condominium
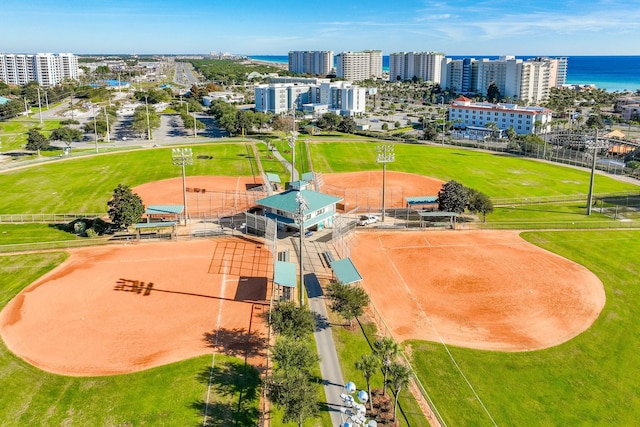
x=45 y=68
x=358 y=66
x=319 y=63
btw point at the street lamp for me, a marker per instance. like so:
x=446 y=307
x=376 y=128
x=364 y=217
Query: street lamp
x=354 y=411
x=182 y=157
x=385 y=155
x=299 y=216
x=106 y=116
x=95 y=125
x=146 y=104
x=292 y=144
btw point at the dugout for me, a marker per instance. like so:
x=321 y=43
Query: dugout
x=422 y=202
x=155 y=230
x=438 y=219
x=162 y=213
x=284 y=279
x=345 y=272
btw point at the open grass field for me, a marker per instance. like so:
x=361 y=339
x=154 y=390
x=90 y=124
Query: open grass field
x=171 y=395
x=12 y=234
x=591 y=380
x=86 y=184
x=495 y=175
x=13 y=133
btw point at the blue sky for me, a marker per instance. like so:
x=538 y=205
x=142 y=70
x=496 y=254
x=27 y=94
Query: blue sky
x=482 y=27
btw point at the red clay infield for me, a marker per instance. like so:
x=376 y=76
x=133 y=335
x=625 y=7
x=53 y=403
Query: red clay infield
x=480 y=289
x=90 y=317
x=206 y=195
x=364 y=189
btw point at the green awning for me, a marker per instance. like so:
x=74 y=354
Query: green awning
x=162 y=224
x=285 y=274
x=273 y=177
x=164 y=210
x=346 y=273
x=421 y=200
x=438 y=214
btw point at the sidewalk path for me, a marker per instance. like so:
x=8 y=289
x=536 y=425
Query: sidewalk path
x=329 y=365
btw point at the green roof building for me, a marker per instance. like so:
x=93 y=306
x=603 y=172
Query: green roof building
x=283 y=207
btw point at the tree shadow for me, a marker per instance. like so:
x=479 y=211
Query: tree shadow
x=235 y=387
x=322 y=322
x=237 y=342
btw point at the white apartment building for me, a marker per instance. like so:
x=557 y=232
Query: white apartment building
x=341 y=98
x=358 y=66
x=278 y=98
x=45 y=68
x=426 y=66
x=465 y=113
x=524 y=80
x=319 y=63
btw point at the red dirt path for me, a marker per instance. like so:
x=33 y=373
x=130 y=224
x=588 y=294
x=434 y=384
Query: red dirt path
x=81 y=319
x=480 y=289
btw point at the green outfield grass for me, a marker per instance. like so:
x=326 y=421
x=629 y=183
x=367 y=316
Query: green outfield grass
x=591 y=380
x=13 y=133
x=495 y=175
x=11 y=234
x=270 y=164
x=86 y=184
x=171 y=395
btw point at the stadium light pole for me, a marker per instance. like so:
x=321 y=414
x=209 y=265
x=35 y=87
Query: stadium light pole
x=385 y=155
x=354 y=411
x=302 y=207
x=182 y=157
x=40 y=104
x=593 y=173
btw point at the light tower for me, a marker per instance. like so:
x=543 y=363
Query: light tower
x=299 y=216
x=182 y=157
x=385 y=155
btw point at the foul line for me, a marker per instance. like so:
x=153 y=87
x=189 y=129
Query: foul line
x=455 y=363
x=215 y=343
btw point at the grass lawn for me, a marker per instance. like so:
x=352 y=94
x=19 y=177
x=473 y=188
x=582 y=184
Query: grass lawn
x=171 y=395
x=590 y=380
x=495 y=175
x=13 y=133
x=11 y=234
x=86 y=184
x=270 y=164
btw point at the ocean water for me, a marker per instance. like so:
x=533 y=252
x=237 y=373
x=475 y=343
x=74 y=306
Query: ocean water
x=612 y=73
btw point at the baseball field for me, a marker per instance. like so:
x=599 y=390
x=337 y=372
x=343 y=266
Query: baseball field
x=498 y=328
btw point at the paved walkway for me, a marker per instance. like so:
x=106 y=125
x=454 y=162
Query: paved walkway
x=329 y=365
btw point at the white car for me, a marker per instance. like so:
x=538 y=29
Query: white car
x=367 y=219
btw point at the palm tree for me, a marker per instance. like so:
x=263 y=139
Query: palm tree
x=368 y=364
x=399 y=375
x=386 y=349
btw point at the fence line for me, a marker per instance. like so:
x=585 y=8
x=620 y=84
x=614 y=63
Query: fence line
x=382 y=326
x=62 y=244
x=48 y=217
x=507 y=201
